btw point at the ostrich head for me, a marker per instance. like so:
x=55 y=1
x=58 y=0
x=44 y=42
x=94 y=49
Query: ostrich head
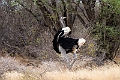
x=81 y=42
x=62 y=18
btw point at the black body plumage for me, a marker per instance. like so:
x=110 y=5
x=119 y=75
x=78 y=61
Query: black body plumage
x=65 y=42
x=56 y=39
x=68 y=44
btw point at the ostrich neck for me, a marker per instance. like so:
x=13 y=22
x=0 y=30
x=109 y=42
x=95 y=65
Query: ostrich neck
x=62 y=22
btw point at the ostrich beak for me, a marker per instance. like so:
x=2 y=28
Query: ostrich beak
x=85 y=45
x=64 y=17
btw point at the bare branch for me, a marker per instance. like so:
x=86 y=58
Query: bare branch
x=72 y=64
x=56 y=15
x=81 y=7
x=89 y=8
x=81 y=19
x=12 y=46
x=30 y=11
x=75 y=9
x=44 y=71
x=46 y=13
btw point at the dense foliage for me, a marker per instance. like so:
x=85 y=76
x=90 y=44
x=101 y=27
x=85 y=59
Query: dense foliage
x=107 y=29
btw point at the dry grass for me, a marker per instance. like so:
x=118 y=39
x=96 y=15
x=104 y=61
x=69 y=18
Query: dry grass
x=55 y=71
x=103 y=73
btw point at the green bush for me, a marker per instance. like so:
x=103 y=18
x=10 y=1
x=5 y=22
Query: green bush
x=107 y=29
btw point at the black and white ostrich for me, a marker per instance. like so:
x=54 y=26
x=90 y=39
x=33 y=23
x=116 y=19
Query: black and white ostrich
x=64 y=45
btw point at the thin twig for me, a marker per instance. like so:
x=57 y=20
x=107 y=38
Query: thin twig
x=12 y=46
x=44 y=71
x=72 y=64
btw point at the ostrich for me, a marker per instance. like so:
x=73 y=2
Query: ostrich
x=62 y=33
x=64 y=45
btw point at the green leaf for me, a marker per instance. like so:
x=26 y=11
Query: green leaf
x=34 y=2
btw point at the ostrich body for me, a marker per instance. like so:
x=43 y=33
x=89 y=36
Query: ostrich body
x=64 y=45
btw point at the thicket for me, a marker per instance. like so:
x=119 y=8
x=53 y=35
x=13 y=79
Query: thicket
x=107 y=28
x=27 y=26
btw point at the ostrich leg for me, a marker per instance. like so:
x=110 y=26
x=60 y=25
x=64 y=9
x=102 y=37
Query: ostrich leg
x=64 y=55
x=74 y=58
